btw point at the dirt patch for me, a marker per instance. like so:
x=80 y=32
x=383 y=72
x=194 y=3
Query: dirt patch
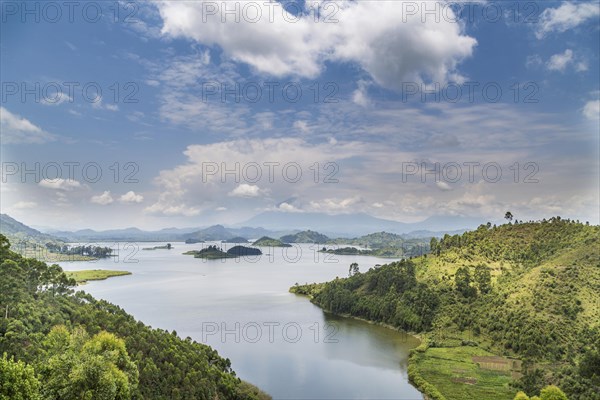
x=497 y=363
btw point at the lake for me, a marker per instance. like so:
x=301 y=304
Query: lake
x=276 y=340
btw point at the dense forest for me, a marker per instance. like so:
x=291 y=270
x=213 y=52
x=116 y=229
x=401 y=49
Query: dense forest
x=527 y=292
x=58 y=344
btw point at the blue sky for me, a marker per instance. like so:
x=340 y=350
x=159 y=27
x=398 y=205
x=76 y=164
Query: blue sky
x=362 y=67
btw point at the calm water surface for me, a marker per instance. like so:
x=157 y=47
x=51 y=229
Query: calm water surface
x=278 y=341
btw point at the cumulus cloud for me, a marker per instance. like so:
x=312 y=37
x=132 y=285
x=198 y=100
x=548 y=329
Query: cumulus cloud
x=567 y=16
x=591 y=110
x=60 y=184
x=560 y=62
x=102 y=199
x=443 y=186
x=131 y=197
x=245 y=190
x=360 y=95
x=390 y=46
x=16 y=129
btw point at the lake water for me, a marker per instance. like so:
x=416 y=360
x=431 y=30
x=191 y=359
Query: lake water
x=276 y=340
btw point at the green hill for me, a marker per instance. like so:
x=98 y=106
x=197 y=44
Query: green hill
x=499 y=308
x=305 y=237
x=77 y=347
x=266 y=241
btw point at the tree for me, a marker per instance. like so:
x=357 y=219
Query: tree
x=17 y=380
x=12 y=285
x=483 y=278
x=521 y=396
x=82 y=368
x=508 y=216
x=462 y=281
x=353 y=270
x=433 y=245
x=552 y=393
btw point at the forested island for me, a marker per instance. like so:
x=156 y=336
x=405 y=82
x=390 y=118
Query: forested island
x=386 y=252
x=266 y=241
x=59 y=344
x=213 y=252
x=500 y=309
x=165 y=247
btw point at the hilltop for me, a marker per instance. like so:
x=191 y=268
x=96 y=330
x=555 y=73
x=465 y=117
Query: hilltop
x=500 y=309
x=305 y=237
x=266 y=241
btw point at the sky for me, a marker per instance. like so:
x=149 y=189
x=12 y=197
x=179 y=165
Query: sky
x=162 y=114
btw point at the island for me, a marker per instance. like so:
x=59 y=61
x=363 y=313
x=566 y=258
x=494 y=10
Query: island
x=387 y=252
x=237 y=239
x=214 y=253
x=266 y=241
x=165 y=247
x=305 y=237
x=82 y=277
x=193 y=241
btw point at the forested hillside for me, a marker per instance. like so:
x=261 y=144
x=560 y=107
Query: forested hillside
x=57 y=344
x=501 y=309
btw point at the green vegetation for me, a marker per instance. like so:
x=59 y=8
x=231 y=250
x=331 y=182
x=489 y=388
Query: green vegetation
x=266 y=241
x=387 y=252
x=211 y=252
x=528 y=292
x=165 y=247
x=215 y=253
x=57 y=344
x=384 y=244
x=305 y=237
x=32 y=243
x=94 y=275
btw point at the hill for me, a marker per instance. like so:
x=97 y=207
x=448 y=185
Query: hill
x=68 y=345
x=500 y=309
x=266 y=241
x=305 y=237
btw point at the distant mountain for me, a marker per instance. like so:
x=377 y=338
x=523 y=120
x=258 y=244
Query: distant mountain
x=305 y=237
x=18 y=231
x=356 y=224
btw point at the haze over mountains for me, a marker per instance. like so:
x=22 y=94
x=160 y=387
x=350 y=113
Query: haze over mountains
x=273 y=224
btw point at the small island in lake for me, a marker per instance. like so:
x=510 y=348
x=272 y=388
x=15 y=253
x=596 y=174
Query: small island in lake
x=82 y=277
x=193 y=241
x=214 y=253
x=237 y=239
x=266 y=241
x=165 y=247
x=387 y=252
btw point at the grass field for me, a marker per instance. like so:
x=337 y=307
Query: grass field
x=82 y=277
x=456 y=374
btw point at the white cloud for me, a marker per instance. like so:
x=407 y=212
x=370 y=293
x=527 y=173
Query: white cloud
x=131 y=197
x=390 y=46
x=221 y=209
x=302 y=126
x=55 y=99
x=443 y=186
x=287 y=207
x=102 y=199
x=360 y=95
x=335 y=205
x=24 y=205
x=16 y=129
x=568 y=16
x=591 y=110
x=560 y=62
x=245 y=190
x=60 y=184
